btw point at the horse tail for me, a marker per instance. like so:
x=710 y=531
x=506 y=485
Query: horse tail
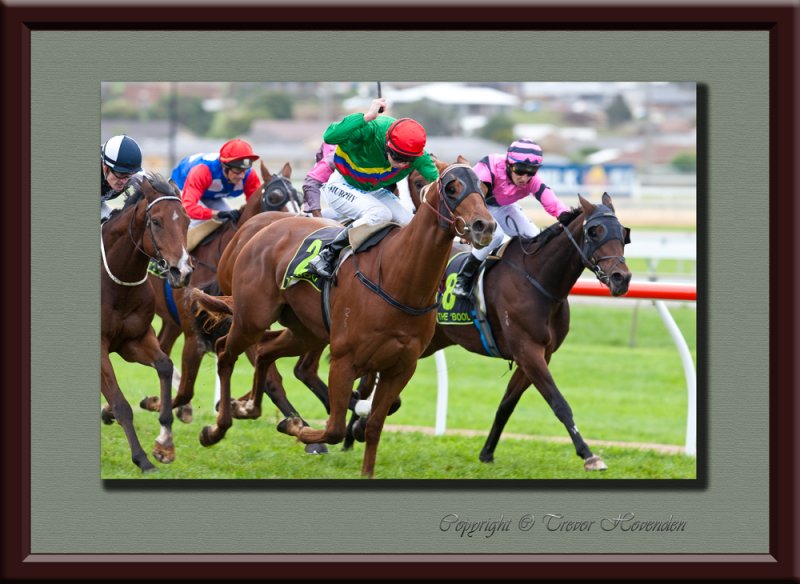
x=211 y=316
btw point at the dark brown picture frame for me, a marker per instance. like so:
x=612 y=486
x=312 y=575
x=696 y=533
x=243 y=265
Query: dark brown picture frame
x=781 y=22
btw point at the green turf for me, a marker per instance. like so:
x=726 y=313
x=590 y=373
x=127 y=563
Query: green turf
x=618 y=393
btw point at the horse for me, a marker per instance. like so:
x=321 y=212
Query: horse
x=528 y=311
x=378 y=326
x=275 y=193
x=152 y=225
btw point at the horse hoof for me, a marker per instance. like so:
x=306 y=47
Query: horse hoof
x=206 y=437
x=145 y=465
x=359 y=430
x=151 y=404
x=106 y=416
x=594 y=463
x=316 y=449
x=164 y=454
x=486 y=457
x=394 y=407
x=184 y=414
x=290 y=426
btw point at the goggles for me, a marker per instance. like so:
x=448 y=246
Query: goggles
x=521 y=168
x=235 y=169
x=122 y=175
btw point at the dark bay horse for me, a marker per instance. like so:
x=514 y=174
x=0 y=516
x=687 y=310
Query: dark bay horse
x=151 y=225
x=275 y=193
x=381 y=308
x=528 y=310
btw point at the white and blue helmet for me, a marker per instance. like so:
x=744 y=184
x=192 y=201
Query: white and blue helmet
x=122 y=154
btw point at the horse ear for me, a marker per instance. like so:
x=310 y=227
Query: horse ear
x=440 y=165
x=587 y=206
x=607 y=202
x=265 y=174
x=287 y=170
x=175 y=188
x=462 y=160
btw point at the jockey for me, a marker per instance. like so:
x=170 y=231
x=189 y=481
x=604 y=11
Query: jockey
x=372 y=154
x=318 y=176
x=120 y=159
x=509 y=178
x=206 y=180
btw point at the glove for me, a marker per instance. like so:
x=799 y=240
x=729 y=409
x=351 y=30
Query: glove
x=232 y=215
x=564 y=218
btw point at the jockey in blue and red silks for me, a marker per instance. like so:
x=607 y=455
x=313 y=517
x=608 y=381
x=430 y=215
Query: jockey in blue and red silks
x=509 y=177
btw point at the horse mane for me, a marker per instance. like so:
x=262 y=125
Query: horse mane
x=134 y=191
x=541 y=238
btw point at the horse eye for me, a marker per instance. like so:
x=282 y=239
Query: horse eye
x=156 y=222
x=593 y=232
x=418 y=184
x=450 y=188
x=274 y=197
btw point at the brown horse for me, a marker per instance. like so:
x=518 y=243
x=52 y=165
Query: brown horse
x=381 y=319
x=528 y=311
x=275 y=193
x=151 y=225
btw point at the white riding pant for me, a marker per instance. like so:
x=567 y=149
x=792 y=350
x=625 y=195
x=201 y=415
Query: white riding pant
x=215 y=204
x=511 y=220
x=364 y=207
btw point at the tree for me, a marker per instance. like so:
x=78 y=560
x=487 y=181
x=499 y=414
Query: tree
x=618 y=112
x=190 y=111
x=498 y=128
x=685 y=162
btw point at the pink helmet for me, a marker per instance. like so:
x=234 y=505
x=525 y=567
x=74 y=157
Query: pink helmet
x=524 y=151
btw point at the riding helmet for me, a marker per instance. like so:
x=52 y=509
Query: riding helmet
x=237 y=153
x=122 y=154
x=524 y=151
x=407 y=137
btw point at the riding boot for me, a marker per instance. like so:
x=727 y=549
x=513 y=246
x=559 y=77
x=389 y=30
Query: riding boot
x=466 y=275
x=324 y=264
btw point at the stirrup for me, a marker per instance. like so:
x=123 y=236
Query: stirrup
x=321 y=267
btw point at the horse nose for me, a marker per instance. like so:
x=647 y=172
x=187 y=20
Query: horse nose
x=483 y=230
x=619 y=282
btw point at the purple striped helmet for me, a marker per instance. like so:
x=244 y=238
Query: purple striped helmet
x=524 y=151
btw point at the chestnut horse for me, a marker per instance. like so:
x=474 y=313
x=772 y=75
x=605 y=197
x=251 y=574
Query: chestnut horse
x=381 y=318
x=151 y=225
x=528 y=311
x=275 y=193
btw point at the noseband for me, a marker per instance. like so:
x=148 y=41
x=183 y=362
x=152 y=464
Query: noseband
x=162 y=263
x=613 y=230
x=463 y=174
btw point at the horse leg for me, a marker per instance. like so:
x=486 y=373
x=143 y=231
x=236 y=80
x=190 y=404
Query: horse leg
x=122 y=412
x=167 y=336
x=306 y=370
x=518 y=383
x=340 y=387
x=191 y=357
x=535 y=366
x=386 y=394
x=248 y=407
x=357 y=424
x=148 y=352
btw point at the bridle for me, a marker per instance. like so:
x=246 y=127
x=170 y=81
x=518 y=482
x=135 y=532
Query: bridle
x=602 y=216
x=463 y=174
x=612 y=230
x=159 y=259
x=277 y=193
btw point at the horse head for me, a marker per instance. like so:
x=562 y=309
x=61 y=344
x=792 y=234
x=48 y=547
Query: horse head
x=278 y=191
x=461 y=205
x=166 y=223
x=603 y=248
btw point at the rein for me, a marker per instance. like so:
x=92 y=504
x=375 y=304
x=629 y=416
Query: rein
x=586 y=252
x=160 y=260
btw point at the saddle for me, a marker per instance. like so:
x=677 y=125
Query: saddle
x=200 y=232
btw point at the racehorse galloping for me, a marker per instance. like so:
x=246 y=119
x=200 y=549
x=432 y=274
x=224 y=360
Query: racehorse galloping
x=275 y=193
x=152 y=225
x=528 y=311
x=380 y=308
